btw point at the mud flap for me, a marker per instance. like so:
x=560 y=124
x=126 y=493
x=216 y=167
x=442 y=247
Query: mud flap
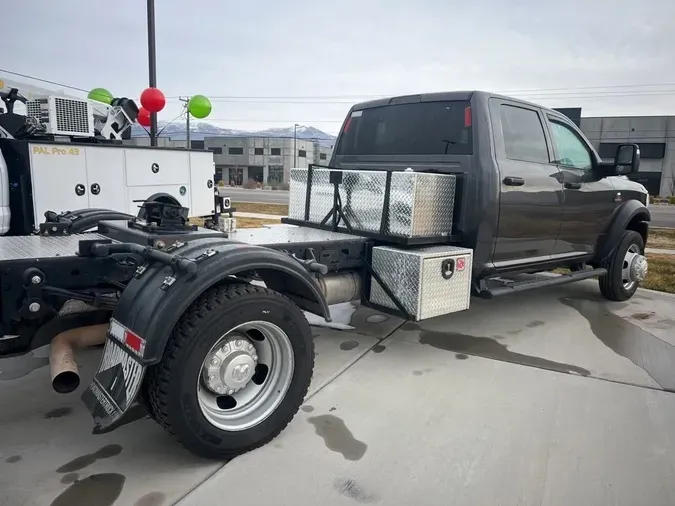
x=114 y=386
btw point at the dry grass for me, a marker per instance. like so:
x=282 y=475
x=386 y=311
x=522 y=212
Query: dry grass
x=254 y=222
x=661 y=238
x=241 y=222
x=661 y=275
x=251 y=207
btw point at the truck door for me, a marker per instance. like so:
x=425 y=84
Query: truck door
x=531 y=205
x=588 y=202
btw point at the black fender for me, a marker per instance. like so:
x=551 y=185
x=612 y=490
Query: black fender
x=150 y=308
x=630 y=215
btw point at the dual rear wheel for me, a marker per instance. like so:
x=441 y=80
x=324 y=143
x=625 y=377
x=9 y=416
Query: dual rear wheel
x=234 y=372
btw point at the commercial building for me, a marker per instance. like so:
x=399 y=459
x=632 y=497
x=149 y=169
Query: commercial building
x=654 y=134
x=265 y=160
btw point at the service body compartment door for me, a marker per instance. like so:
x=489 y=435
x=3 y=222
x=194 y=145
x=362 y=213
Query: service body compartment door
x=153 y=166
x=141 y=193
x=105 y=178
x=59 y=174
x=202 y=172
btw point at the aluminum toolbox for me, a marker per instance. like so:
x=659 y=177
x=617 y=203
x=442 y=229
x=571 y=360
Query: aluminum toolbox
x=428 y=282
x=420 y=204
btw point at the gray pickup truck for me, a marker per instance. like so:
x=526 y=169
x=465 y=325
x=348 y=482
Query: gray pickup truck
x=427 y=200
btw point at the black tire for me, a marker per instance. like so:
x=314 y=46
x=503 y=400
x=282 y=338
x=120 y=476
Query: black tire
x=170 y=387
x=611 y=284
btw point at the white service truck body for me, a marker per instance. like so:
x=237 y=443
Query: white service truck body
x=68 y=176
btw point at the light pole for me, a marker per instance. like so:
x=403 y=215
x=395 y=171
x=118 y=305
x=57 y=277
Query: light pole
x=295 y=145
x=187 y=118
x=152 y=66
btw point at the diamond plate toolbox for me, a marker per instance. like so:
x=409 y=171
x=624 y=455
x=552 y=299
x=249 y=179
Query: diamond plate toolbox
x=420 y=204
x=428 y=282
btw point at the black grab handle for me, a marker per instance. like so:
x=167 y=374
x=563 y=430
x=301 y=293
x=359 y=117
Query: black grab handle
x=448 y=268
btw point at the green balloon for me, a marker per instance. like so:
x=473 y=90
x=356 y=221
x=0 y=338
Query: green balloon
x=199 y=106
x=100 y=95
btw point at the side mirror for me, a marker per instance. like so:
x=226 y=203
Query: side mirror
x=627 y=159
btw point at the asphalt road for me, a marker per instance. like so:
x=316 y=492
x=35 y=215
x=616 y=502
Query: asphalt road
x=572 y=404
x=662 y=216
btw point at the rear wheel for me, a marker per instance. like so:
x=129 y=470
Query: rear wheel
x=234 y=373
x=626 y=268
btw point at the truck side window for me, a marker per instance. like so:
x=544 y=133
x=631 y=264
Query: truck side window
x=572 y=152
x=523 y=134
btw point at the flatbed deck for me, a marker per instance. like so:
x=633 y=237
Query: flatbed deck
x=37 y=246
x=278 y=237
x=286 y=236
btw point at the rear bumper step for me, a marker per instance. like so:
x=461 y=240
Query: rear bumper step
x=524 y=286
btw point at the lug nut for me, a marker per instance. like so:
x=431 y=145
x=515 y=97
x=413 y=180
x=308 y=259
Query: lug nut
x=34 y=307
x=214 y=361
x=36 y=280
x=230 y=392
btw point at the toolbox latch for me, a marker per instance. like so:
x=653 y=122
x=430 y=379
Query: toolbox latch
x=448 y=268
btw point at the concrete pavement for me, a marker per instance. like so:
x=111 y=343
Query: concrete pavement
x=550 y=397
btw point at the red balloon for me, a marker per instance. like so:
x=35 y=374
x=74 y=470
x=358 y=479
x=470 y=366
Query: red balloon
x=143 y=117
x=153 y=99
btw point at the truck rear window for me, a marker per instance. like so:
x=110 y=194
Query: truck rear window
x=422 y=128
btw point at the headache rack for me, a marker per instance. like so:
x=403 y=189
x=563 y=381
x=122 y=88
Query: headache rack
x=407 y=208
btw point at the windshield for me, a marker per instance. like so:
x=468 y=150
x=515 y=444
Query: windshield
x=423 y=128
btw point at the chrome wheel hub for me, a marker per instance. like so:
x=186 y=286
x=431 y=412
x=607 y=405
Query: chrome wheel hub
x=228 y=368
x=245 y=375
x=635 y=267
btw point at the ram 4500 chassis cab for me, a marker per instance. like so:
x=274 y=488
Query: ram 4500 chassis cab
x=427 y=200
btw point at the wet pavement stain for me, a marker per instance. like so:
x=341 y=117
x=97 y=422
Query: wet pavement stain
x=379 y=348
x=22 y=366
x=348 y=345
x=307 y=408
x=151 y=499
x=97 y=489
x=58 y=412
x=461 y=356
x=489 y=348
x=13 y=459
x=642 y=316
x=69 y=478
x=337 y=437
x=514 y=332
x=645 y=350
x=80 y=463
x=535 y=323
x=332 y=409
x=377 y=318
x=350 y=488
x=420 y=373
x=133 y=414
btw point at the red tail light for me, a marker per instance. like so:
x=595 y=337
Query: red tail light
x=347 y=123
x=467 y=116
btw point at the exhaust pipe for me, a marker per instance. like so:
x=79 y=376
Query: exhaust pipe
x=64 y=372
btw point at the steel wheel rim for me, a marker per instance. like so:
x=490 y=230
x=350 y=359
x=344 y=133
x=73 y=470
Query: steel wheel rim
x=254 y=402
x=626 y=278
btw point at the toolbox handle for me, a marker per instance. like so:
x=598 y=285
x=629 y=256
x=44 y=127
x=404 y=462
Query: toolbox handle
x=448 y=268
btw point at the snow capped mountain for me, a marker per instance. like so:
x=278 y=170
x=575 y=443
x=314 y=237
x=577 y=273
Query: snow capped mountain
x=199 y=130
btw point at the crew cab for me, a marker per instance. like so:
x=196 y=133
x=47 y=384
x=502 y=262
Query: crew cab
x=534 y=193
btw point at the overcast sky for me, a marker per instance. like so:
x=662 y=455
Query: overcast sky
x=559 y=54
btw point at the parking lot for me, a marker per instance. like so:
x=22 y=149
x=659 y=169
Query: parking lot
x=552 y=397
